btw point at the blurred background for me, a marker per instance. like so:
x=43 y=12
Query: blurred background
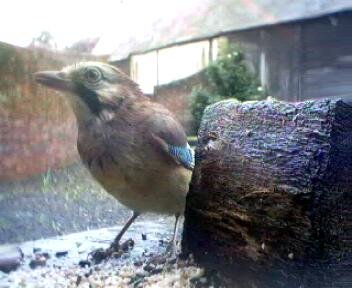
x=183 y=54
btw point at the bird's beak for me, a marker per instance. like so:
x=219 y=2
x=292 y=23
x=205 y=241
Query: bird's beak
x=54 y=79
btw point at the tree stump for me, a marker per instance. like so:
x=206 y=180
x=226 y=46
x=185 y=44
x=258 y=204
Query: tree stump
x=270 y=202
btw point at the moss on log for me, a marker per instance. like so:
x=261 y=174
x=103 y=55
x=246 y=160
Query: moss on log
x=270 y=203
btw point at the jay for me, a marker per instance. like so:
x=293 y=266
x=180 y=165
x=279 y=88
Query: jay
x=134 y=147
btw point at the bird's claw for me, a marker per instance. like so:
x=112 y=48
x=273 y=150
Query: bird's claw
x=114 y=251
x=98 y=255
x=169 y=257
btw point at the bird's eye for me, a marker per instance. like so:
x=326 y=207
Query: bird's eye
x=93 y=75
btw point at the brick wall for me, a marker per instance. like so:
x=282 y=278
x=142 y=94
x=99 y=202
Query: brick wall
x=37 y=128
x=32 y=147
x=176 y=97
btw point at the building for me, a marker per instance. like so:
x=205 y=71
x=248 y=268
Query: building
x=299 y=49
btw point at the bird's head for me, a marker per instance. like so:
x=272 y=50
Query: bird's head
x=93 y=87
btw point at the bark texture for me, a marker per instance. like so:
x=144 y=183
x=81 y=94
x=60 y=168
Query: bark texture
x=270 y=203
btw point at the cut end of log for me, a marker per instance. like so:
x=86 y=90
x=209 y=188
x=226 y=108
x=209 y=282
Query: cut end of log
x=10 y=258
x=271 y=183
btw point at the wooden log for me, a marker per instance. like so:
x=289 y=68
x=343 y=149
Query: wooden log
x=10 y=258
x=270 y=202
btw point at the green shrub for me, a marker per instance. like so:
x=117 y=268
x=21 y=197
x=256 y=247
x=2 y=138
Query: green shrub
x=227 y=77
x=201 y=98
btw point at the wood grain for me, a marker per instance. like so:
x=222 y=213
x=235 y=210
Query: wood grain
x=270 y=203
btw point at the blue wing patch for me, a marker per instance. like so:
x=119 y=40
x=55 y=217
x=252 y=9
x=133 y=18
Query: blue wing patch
x=183 y=155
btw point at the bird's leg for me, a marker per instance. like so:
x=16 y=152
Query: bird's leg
x=116 y=243
x=172 y=249
x=100 y=254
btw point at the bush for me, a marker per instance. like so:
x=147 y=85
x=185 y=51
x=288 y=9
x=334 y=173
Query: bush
x=201 y=98
x=227 y=77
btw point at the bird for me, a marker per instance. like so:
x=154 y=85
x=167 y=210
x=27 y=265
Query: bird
x=134 y=147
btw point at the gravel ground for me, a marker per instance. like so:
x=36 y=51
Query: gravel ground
x=106 y=275
x=131 y=269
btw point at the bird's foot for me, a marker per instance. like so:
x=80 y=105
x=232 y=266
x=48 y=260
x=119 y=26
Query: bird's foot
x=162 y=259
x=168 y=257
x=98 y=255
x=114 y=251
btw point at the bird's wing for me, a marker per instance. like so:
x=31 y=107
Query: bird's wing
x=171 y=138
x=183 y=155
